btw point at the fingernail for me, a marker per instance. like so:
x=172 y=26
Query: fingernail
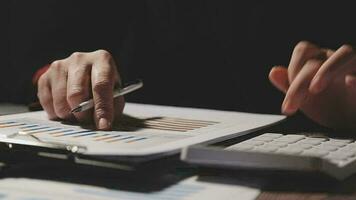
x=287 y=108
x=103 y=124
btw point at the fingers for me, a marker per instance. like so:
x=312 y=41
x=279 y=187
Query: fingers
x=350 y=81
x=299 y=89
x=328 y=52
x=305 y=61
x=302 y=52
x=279 y=78
x=71 y=81
x=58 y=83
x=78 y=85
x=45 y=96
x=341 y=61
x=102 y=78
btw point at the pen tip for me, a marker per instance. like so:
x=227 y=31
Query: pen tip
x=75 y=110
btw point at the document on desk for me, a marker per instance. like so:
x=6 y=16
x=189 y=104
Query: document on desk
x=143 y=130
x=188 y=189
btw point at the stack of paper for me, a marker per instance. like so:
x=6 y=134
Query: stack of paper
x=144 y=130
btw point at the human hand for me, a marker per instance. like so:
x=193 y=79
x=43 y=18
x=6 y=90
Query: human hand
x=321 y=83
x=75 y=79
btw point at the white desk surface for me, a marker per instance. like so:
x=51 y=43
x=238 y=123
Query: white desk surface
x=8 y=108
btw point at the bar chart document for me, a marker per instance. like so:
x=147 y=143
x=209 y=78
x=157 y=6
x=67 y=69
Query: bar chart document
x=142 y=130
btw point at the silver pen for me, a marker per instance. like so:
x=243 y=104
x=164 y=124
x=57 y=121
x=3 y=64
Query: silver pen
x=119 y=92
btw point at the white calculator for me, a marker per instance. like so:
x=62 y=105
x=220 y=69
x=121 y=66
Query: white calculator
x=277 y=151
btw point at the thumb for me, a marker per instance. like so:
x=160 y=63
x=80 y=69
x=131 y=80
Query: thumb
x=279 y=78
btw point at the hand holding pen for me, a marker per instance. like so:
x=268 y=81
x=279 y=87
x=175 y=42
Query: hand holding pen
x=71 y=81
x=86 y=105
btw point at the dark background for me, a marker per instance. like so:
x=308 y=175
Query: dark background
x=208 y=53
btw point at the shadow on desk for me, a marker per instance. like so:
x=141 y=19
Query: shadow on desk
x=154 y=177
x=170 y=171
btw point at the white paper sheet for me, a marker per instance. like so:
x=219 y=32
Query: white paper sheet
x=152 y=130
x=188 y=189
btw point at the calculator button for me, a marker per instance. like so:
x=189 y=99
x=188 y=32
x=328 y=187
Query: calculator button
x=335 y=143
x=252 y=143
x=319 y=139
x=345 y=141
x=348 y=149
x=351 y=145
x=312 y=141
x=290 y=150
x=343 y=153
x=301 y=145
x=266 y=148
x=262 y=138
x=240 y=147
x=315 y=152
x=290 y=138
x=272 y=135
x=326 y=147
x=338 y=156
x=278 y=144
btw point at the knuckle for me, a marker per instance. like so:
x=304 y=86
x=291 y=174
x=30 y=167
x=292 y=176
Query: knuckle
x=102 y=86
x=302 y=46
x=76 y=55
x=103 y=103
x=102 y=108
x=74 y=93
x=56 y=65
x=42 y=81
x=104 y=54
x=315 y=63
x=57 y=69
